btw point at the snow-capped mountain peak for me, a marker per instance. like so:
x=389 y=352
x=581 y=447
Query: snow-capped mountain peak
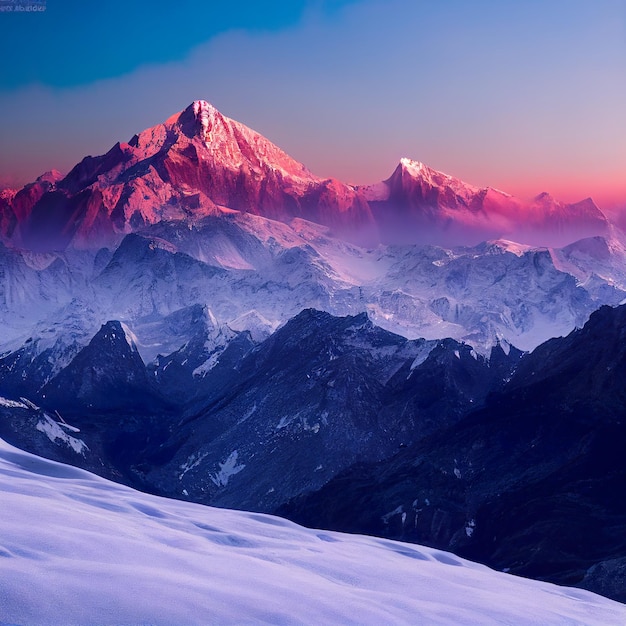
x=197 y=163
x=419 y=170
x=416 y=168
x=232 y=144
x=420 y=204
x=200 y=162
x=203 y=110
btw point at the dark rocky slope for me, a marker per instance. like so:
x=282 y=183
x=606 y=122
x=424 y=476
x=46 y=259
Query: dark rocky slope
x=533 y=483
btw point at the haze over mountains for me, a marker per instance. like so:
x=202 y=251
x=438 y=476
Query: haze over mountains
x=199 y=162
x=197 y=315
x=221 y=210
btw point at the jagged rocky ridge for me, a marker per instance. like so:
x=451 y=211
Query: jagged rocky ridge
x=514 y=460
x=531 y=483
x=201 y=210
x=199 y=163
x=416 y=201
x=318 y=395
x=254 y=274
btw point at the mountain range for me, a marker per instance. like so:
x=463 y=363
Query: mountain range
x=202 y=210
x=197 y=315
x=199 y=163
x=540 y=463
x=512 y=460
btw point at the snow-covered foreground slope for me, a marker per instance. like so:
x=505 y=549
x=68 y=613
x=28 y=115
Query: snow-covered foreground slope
x=77 y=549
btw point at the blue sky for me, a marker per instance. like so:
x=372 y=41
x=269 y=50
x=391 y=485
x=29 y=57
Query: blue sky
x=74 y=42
x=524 y=96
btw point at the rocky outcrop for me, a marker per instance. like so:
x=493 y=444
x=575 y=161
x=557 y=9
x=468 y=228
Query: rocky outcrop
x=532 y=483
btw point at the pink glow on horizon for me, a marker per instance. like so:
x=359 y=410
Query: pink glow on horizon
x=349 y=95
x=607 y=192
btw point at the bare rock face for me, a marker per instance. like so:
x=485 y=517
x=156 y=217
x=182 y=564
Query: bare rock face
x=529 y=483
x=108 y=373
x=7 y=216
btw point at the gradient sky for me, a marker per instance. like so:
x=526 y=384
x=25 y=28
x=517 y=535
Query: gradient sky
x=523 y=96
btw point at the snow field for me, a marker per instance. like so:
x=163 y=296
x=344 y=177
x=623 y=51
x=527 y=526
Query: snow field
x=78 y=549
